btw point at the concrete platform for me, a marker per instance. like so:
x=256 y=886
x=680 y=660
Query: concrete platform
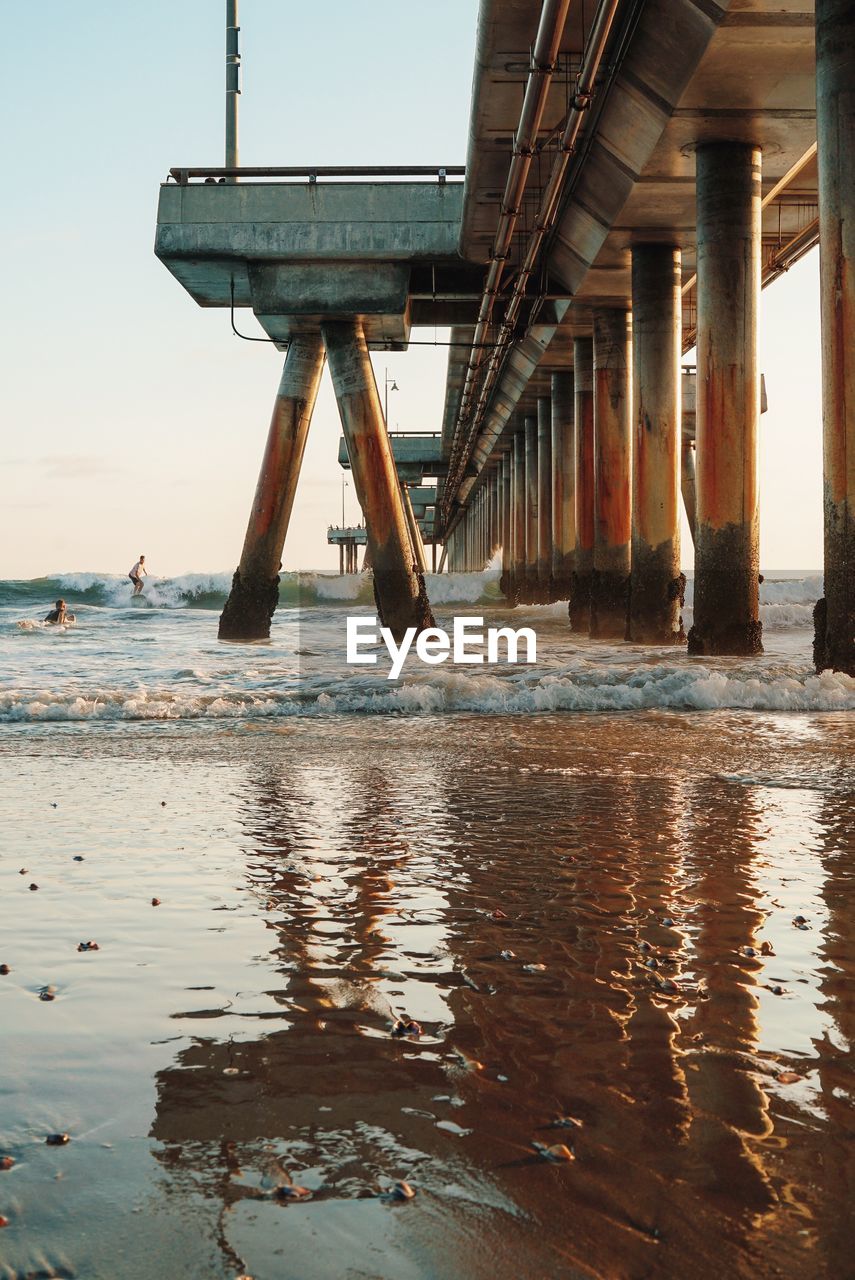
x=303 y=253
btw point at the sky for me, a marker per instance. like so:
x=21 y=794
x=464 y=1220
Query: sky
x=132 y=420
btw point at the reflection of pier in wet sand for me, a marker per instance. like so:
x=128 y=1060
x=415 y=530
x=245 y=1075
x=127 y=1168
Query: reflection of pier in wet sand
x=393 y=881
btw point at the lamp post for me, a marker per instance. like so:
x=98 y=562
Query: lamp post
x=388 y=384
x=343 y=487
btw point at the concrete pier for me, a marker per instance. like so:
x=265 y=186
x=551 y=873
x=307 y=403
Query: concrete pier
x=656 y=584
x=728 y=401
x=398 y=586
x=529 y=592
x=255 y=587
x=834 y=642
x=688 y=483
x=544 y=499
x=563 y=485
x=416 y=539
x=612 y=475
x=505 y=508
x=583 y=381
x=517 y=517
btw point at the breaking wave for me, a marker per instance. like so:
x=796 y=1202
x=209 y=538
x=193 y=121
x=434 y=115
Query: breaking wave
x=785 y=602
x=584 y=686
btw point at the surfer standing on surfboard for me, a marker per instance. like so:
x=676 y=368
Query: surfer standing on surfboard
x=135 y=575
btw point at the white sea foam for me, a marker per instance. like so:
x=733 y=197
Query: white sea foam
x=587 y=685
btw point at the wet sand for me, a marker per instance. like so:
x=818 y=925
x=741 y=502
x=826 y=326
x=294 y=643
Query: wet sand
x=317 y=880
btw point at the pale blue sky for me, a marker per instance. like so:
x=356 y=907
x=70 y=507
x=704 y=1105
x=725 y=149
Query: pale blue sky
x=133 y=420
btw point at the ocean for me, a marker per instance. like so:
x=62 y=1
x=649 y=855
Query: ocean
x=565 y=950
x=158 y=658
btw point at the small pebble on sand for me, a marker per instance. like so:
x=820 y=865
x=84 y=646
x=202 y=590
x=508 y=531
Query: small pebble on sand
x=403 y=1191
x=766 y=949
x=57 y=1139
x=47 y=993
x=292 y=1192
x=88 y=946
x=789 y=1077
x=6 y=1162
x=534 y=968
x=78 y=857
x=557 y=1152
x=406 y=1027
x=34 y=887
x=155 y=902
x=4 y=969
x=4 y=1222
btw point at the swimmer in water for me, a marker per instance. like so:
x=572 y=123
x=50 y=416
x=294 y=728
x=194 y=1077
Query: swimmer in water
x=60 y=615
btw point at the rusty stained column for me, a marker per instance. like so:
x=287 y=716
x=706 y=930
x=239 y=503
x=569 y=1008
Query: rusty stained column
x=497 y=506
x=399 y=588
x=583 y=379
x=530 y=588
x=656 y=586
x=563 y=486
x=612 y=474
x=255 y=586
x=517 y=518
x=544 y=499
x=687 y=483
x=507 y=562
x=416 y=541
x=834 y=616
x=727 y=532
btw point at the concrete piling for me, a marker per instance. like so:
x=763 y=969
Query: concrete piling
x=656 y=586
x=415 y=532
x=544 y=499
x=399 y=587
x=612 y=475
x=505 y=505
x=518 y=527
x=583 y=381
x=530 y=583
x=563 y=486
x=688 y=484
x=834 y=617
x=255 y=586
x=728 y=401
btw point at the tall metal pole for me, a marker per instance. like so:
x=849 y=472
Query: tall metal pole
x=232 y=85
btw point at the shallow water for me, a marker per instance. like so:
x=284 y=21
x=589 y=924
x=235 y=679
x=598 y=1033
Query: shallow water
x=159 y=658
x=319 y=876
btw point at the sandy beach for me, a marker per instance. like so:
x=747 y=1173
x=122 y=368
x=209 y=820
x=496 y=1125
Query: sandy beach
x=623 y=938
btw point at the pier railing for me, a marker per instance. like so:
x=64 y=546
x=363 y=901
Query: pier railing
x=311 y=173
